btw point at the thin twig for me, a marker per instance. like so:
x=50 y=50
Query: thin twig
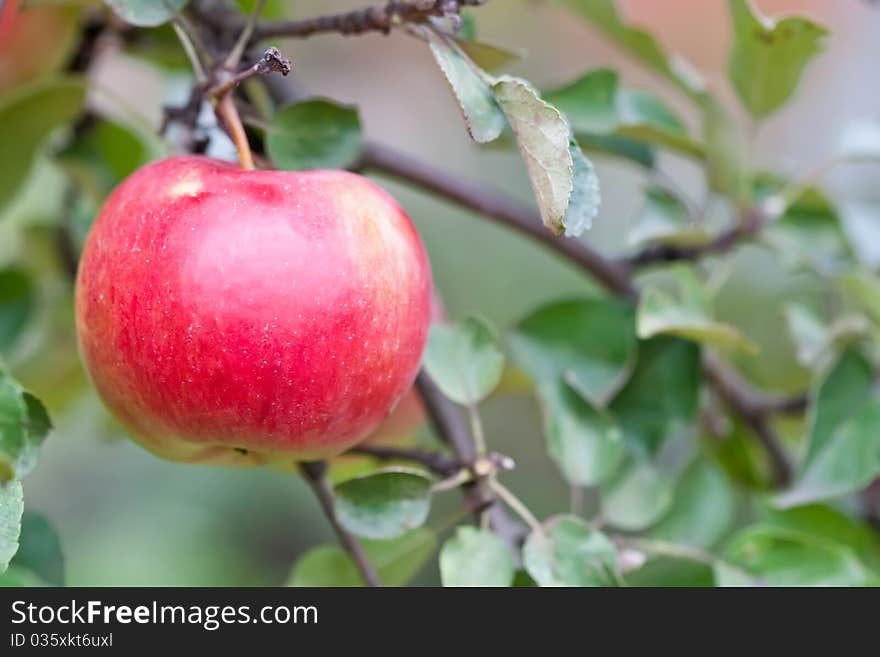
x=517 y=505
x=241 y=44
x=616 y=278
x=722 y=243
x=451 y=427
x=446 y=418
x=272 y=61
x=376 y=18
x=186 y=41
x=315 y=474
x=743 y=400
x=477 y=429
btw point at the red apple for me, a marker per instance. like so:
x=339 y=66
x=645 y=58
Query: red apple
x=249 y=317
x=409 y=414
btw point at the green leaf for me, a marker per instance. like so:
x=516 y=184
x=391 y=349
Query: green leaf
x=98 y=158
x=591 y=342
x=843 y=454
x=39 y=550
x=604 y=15
x=863 y=288
x=782 y=557
x=563 y=181
x=664 y=219
x=813 y=340
x=621 y=147
x=840 y=395
x=661 y=396
x=828 y=523
x=17 y=301
x=724 y=156
x=396 y=561
x=687 y=317
x=146 y=13
x=585 y=443
x=808 y=332
x=272 y=9
x=488 y=56
x=13 y=426
x=583 y=204
x=469 y=28
x=29 y=115
x=702 y=510
x=810 y=232
x=383 y=504
x=315 y=134
x=638 y=496
x=849 y=462
x=859 y=222
x=482 y=115
x=475 y=557
x=768 y=57
x=11 y=508
x=596 y=104
x=464 y=359
x=644 y=117
x=570 y=553
x=20 y=578
x=24 y=424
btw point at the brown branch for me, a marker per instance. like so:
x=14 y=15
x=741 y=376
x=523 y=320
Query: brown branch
x=376 y=18
x=727 y=240
x=451 y=426
x=754 y=409
x=271 y=62
x=315 y=474
x=749 y=405
x=440 y=463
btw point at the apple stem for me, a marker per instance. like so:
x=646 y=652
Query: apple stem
x=228 y=113
x=315 y=473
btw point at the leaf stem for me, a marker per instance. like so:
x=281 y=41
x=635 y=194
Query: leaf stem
x=453 y=482
x=477 y=429
x=189 y=48
x=315 y=474
x=237 y=52
x=516 y=505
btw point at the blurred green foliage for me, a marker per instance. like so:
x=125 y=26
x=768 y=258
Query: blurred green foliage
x=596 y=394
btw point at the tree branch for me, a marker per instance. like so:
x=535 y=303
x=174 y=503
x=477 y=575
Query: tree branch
x=377 y=18
x=453 y=429
x=752 y=222
x=754 y=411
x=315 y=474
x=617 y=279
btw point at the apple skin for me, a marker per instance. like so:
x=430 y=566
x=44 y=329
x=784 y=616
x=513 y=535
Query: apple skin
x=409 y=415
x=251 y=317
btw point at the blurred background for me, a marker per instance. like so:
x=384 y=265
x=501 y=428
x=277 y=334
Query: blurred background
x=127 y=518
